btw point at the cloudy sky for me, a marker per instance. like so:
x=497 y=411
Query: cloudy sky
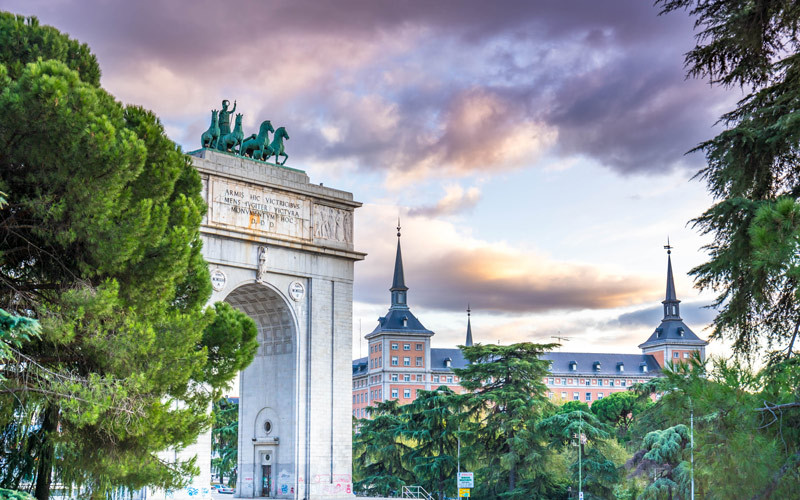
x=534 y=150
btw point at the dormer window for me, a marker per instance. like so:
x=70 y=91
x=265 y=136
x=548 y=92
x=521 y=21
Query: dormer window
x=659 y=331
x=573 y=366
x=447 y=362
x=405 y=321
x=680 y=331
x=621 y=367
x=644 y=367
x=597 y=366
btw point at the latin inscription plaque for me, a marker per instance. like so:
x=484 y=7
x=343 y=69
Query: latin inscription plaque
x=259 y=210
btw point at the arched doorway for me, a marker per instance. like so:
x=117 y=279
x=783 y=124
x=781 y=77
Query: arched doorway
x=267 y=395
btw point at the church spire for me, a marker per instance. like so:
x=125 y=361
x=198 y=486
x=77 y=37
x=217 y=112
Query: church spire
x=468 y=343
x=671 y=302
x=399 y=287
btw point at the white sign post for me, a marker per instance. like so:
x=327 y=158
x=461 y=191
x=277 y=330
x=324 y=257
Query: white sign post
x=466 y=480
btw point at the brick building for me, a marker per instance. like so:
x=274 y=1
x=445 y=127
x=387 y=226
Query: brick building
x=401 y=360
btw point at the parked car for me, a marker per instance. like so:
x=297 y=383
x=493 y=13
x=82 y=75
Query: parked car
x=225 y=490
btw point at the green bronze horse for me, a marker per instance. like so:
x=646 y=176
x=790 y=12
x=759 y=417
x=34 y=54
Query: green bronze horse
x=210 y=136
x=231 y=141
x=256 y=145
x=276 y=146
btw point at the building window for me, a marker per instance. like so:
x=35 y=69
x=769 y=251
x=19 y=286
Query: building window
x=354 y=399
x=686 y=355
x=449 y=380
x=419 y=378
x=407 y=393
x=406 y=361
x=588 y=396
x=394 y=393
x=564 y=396
x=676 y=355
x=576 y=396
x=622 y=383
x=406 y=347
x=436 y=378
x=551 y=381
x=394 y=377
x=550 y=395
x=611 y=383
x=419 y=347
x=599 y=395
x=394 y=360
x=394 y=346
x=406 y=377
x=589 y=382
x=419 y=360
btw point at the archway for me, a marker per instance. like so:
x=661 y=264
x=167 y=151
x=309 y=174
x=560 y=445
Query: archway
x=267 y=395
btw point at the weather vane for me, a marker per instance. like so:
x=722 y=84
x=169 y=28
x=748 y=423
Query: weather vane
x=668 y=247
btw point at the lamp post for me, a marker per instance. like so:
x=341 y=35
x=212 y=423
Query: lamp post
x=691 y=437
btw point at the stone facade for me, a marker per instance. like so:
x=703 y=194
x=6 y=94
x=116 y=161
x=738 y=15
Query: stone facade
x=269 y=259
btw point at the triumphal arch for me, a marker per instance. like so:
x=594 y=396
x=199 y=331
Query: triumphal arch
x=281 y=250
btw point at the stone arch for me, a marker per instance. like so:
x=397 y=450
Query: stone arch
x=274 y=318
x=268 y=392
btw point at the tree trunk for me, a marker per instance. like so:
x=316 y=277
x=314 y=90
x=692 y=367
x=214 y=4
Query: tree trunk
x=45 y=469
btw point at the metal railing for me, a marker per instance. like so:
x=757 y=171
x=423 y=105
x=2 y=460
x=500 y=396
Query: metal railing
x=416 y=492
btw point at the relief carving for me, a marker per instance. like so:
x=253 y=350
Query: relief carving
x=333 y=224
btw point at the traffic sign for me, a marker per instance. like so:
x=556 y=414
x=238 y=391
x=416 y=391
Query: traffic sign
x=580 y=496
x=463 y=492
x=466 y=480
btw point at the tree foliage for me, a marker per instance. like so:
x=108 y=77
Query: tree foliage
x=225 y=440
x=379 y=463
x=753 y=162
x=505 y=398
x=100 y=244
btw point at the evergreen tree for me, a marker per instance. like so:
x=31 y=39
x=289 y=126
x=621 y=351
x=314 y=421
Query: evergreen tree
x=752 y=44
x=505 y=398
x=225 y=440
x=575 y=429
x=619 y=409
x=378 y=452
x=101 y=245
x=430 y=425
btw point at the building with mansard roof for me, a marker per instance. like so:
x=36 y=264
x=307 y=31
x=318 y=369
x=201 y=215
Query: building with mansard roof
x=402 y=362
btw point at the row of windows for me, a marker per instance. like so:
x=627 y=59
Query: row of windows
x=406 y=393
x=407 y=347
x=408 y=377
x=362 y=397
x=377 y=347
x=576 y=396
x=589 y=381
x=406 y=361
x=375 y=362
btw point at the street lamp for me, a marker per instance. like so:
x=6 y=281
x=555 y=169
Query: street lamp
x=691 y=437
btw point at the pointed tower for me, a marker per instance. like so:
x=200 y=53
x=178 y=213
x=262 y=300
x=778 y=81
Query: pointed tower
x=468 y=343
x=399 y=320
x=672 y=341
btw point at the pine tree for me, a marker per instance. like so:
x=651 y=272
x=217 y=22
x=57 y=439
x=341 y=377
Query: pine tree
x=379 y=452
x=430 y=425
x=753 y=162
x=100 y=244
x=505 y=398
x=225 y=440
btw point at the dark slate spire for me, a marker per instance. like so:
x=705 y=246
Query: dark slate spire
x=671 y=302
x=399 y=287
x=468 y=343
